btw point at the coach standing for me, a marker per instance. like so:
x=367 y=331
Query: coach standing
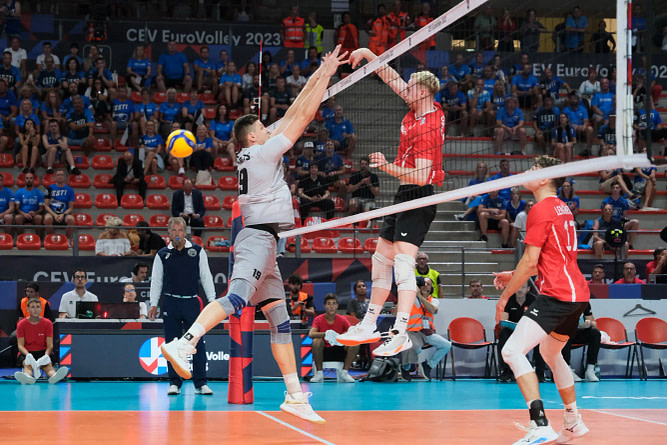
x=174 y=279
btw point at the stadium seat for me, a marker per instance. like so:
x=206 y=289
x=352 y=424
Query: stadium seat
x=158 y=202
x=106 y=201
x=102 y=144
x=135 y=97
x=56 y=241
x=224 y=164
x=339 y=204
x=159 y=97
x=370 y=245
x=81 y=162
x=101 y=181
x=211 y=244
x=651 y=333
x=99 y=128
x=182 y=97
x=7 y=179
x=209 y=113
x=20 y=180
x=155 y=182
x=322 y=244
x=235 y=113
x=228 y=183
x=159 y=220
x=6 y=160
x=81 y=181
x=350 y=245
x=118 y=146
x=101 y=219
x=131 y=219
x=166 y=239
x=48 y=180
x=206 y=187
x=83 y=219
x=176 y=182
x=291 y=245
x=619 y=337
x=468 y=333
x=207 y=98
x=197 y=240
x=211 y=202
x=28 y=241
x=102 y=162
x=213 y=221
x=131 y=201
x=6 y=241
x=228 y=202
x=312 y=220
x=86 y=242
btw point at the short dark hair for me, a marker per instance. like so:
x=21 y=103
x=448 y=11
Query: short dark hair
x=34 y=300
x=545 y=161
x=46 y=44
x=657 y=252
x=79 y=269
x=331 y=296
x=598 y=266
x=295 y=279
x=7 y=52
x=242 y=127
x=32 y=285
x=475 y=281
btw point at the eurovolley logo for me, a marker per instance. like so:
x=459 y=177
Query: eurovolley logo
x=151 y=358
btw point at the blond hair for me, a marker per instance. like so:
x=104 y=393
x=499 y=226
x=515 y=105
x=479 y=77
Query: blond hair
x=428 y=80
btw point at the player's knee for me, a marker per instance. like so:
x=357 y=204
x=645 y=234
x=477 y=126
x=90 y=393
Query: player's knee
x=404 y=272
x=279 y=323
x=381 y=271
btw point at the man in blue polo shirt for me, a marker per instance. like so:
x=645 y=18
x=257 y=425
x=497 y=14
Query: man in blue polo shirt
x=173 y=70
x=80 y=122
x=578 y=116
x=462 y=73
x=29 y=203
x=526 y=87
x=620 y=207
x=492 y=215
x=124 y=117
x=504 y=172
x=509 y=125
x=59 y=204
x=205 y=71
x=9 y=106
x=100 y=71
x=455 y=105
x=551 y=85
x=341 y=131
x=10 y=73
x=7 y=204
x=73 y=91
x=601 y=105
x=575 y=27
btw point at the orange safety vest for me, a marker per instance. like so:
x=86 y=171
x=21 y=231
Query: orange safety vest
x=24 y=306
x=348 y=38
x=377 y=42
x=420 y=318
x=293 y=30
x=298 y=310
x=420 y=23
x=395 y=25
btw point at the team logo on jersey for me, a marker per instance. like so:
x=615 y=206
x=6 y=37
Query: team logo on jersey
x=192 y=253
x=151 y=358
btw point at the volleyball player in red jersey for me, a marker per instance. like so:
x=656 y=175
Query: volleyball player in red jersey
x=418 y=166
x=551 y=253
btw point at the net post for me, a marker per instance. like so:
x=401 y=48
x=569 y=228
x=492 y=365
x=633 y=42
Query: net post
x=624 y=110
x=241 y=327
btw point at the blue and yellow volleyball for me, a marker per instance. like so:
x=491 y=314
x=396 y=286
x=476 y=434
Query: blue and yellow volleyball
x=181 y=143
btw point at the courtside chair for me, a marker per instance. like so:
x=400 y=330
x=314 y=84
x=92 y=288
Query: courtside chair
x=618 y=334
x=651 y=333
x=468 y=333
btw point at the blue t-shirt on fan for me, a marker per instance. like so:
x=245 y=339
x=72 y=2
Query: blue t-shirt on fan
x=172 y=65
x=29 y=200
x=6 y=197
x=60 y=197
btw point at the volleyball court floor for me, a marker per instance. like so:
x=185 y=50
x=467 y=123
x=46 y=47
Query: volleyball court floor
x=417 y=412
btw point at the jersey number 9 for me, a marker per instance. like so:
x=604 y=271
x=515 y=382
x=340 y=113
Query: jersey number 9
x=243 y=181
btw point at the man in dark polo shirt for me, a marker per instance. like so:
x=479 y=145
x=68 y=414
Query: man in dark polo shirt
x=149 y=242
x=313 y=192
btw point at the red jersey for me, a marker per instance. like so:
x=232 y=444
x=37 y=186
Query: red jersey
x=551 y=227
x=340 y=325
x=422 y=138
x=636 y=281
x=35 y=334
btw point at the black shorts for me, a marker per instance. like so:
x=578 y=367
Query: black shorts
x=492 y=224
x=410 y=226
x=334 y=354
x=173 y=83
x=36 y=354
x=526 y=101
x=554 y=315
x=453 y=115
x=61 y=223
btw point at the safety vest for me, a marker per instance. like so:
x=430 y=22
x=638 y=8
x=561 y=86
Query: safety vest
x=433 y=275
x=378 y=41
x=24 y=306
x=420 y=23
x=299 y=310
x=314 y=37
x=396 y=22
x=420 y=318
x=348 y=37
x=293 y=29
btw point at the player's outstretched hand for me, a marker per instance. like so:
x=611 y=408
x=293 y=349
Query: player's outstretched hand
x=331 y=61
x=377 y=159
x=501 y=279
x=360 y=54
x=500 y=308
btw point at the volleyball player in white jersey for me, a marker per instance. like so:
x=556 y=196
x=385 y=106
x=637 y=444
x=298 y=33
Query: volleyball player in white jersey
x=418 y=166
x=266 y=207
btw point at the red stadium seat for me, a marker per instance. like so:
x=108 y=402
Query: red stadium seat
x=211 y=244
x=176 y=182
x=468 y=333
x=370 y=245
x=6 y=241
x=291 y=245
x=98 y=128
x=102 y=162
x=120 y=147
x=131 y=219
x=350 y=245
x=6 y=160
x=81 y=181
x=228 y=183
x=211 y=202
x=182 y=97
x=28 y=241
x=48 y=180
x=224 y=164
x=101 y=219
x=213 y=221
x=101 y=181
x=228 y=202
x=339 y=203
x=207 y=98
x=81 y=162
x=209 y=113
x=102 y=144
x=207 y=187
x=159 y=220
x=20 y=180
x=7 y=179
x=86 y=242
x=106 y=201
x=323 y=244
x=158 y=202
x=83 y=219
x=155 y=182
x=235 y=113
x=55 y=241
x=131 y=201
x=312 y=220
x=135 y=97
x=159 y=97
x=197 y=240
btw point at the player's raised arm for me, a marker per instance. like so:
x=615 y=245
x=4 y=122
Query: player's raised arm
x=386 y=73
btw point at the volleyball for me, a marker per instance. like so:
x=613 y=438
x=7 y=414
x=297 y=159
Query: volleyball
x=181 y=143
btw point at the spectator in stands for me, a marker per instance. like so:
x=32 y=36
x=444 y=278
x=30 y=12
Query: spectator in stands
x=138 y=70
x=446 y=78
x=620 y=207
x=124 y=117
x=489 y=79
x=331 y=167
x=248 y=75
x=545 y=120
x=515 y=205
x=89 y=60
x=607 y=135
x=29 y=142
x=220 y=67
x=461 y=72
x=602 y=104
x=129 y=171
x=9 y=106
x=222 y=132
x=300 y=303
x=57 y=148
x=342 y=132
x=81 y=124
x=49 y=78
x=191 y=110
x=423 y=19
x=641 y=126
x=422 y=270
x=188 y=203
x=7 y=204
x=504 y=172
x=602 y=38
x=27 y=112
x=230 y=86
x=303 y=162
x=19 y=56
x=630 y=275
x=492 y=214
x=59 y=204
x=311 y=63
x=153 y=146
x=517 y=68
x=644 y=183
x=478 y=65
x=252 y=99
x=578 y=116
x=485 y=26
x=295 y=81
x=313 y=192
x=597 y=277
x=29 y=91
x=287 y=65
x=610 y=177
x=67 y=308
x=113 y=241
x=41 y=59
x=170 y=112
x=130 y=296
x=29 y=204
x=358 y=304
x=398 y=21
x=364 y=187
x=476 y=290
x=204 y=153
x=149 y=242
x=32 y=292
x=101 y=72
x=509 y=125
x=568 y=196
x=281 y=99
x=600 y=227
x=551 y=85
x=378 y=28
x=530 y=32
x=481 y=176
x=98 y=96
x=71 y=92
x=52 y=109
x=173 y=70
x=9 y=72
x=293 y=30
x=140 y=270
x=347 y=34
x=481 y=107
x=659 y=263
x=526 y=87
x=563 y=137
x=454 y=104
x=589 y=87
x=506 y=32
x=576 y=25
x=205 y=72
x=147 y=109
x=497 y=69
x=314 y=33
x=290 y=178
x=326 y=327
x=519 y=224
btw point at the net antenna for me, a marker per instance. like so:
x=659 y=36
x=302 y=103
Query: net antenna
x=624 y=103
x=261 y=58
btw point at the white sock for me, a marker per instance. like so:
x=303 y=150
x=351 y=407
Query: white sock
x=401 y=323
x=571 y=409
x=181 y=170
x=195 y=332
x=293 y=385
x=371 y=316
x=590 y=367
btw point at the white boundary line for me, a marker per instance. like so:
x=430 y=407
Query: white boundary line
x=627 y=417
x=569 y=169
x=298 y=430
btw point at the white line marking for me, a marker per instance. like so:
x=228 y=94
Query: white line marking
x=298 y=430
x=627 y=417
x=624 y=397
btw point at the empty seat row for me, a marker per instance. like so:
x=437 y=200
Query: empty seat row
x=324 y=244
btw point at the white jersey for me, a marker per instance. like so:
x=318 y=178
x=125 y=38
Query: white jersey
x=264 y=196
